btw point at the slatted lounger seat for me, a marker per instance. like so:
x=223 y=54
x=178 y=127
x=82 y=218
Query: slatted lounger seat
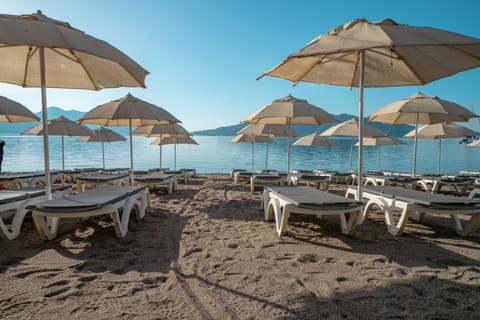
x=159 y=179
x=417 y=204
x=118 y=202
x=13 y=207
x=279 y=202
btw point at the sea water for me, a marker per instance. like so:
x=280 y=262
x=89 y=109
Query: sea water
x=216 y=154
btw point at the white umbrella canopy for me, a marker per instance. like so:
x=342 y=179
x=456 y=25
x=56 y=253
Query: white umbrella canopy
x=250 y=138
x=128 y=111
x=315 y=140
x=421 y=109
x=12 y=111
x=350 y=128
x=290 y=110
x=440 y=131
x=102 y=135
x=174 y=141
x=38 y=51
x=380 y=141
x=60 y=126
x=363 y=54
x=162 y=131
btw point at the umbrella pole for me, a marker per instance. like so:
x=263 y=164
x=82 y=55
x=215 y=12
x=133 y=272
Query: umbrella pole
x=378 y=158
x=63 y=153
x=132 y=177
x=439 y=154
x=266 y=158
x=351 y=156
x=414 y=171
x=360 y=127
x=103 y=156
x=174 y=156
x=46 y=156
x=160 y=157
x=289 y=138
x=253 y=154
x=314 y=158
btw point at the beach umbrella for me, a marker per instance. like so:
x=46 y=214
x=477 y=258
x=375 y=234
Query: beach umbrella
x=162 y=131
x=102 y=135
x=440 y=131
x=363 y=54
x=288 y=111
x=174 y=141
x=421 y=109
x=350 y=128
x=315 y=140
x=12 y=111
x=60 y=126
x=268 y=129
x=38 y=51
x=249 y=138
x=128 y=111
x=380 y=141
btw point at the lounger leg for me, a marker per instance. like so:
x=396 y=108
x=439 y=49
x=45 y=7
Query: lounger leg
x=46 y=232
x=469 y=227
x=349 y=221
x=396 y=229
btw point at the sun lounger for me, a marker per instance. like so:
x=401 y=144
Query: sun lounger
x=320 y=182
x=13 y=207
x=279 y=202
x=159 y=179
x=181 y=175
x=96 y=180
x=118 y=202
x=417 y=204
x=258 y=179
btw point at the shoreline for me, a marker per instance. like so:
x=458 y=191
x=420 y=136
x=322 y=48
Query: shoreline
x=205 y=252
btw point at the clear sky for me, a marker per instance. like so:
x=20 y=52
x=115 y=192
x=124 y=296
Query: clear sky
x=204 y=56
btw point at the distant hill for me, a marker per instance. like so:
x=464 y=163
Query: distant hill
x=302 y=130
x=52 y=112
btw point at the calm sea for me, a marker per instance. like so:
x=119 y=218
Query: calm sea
x=218 y=155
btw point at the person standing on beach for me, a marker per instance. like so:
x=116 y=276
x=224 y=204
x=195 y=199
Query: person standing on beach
x=2 y=144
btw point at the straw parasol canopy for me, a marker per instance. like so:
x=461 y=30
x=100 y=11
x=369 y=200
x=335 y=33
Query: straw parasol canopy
x=363 y=54
x=350 y=128
x=128 y=111
x=440 y=131
x=380 y=141
x=290 y=110
x=174 y=141
x=162 y=131
x=315 y=140
x=60 y=126
x=38 y=51
x=274 y=130
x=421 y=109
x=12 y=111
x=102 y=135
x=250 y=138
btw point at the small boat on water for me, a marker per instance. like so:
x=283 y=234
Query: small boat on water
x=467 y=139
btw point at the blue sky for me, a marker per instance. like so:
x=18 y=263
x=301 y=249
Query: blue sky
x=204 y=56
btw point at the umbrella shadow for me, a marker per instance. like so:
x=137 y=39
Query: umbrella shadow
x=91 y=246
x=425 y=297
x=373 y=238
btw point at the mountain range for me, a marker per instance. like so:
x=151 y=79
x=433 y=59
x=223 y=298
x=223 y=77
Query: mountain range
x=231 y=130
x=303 y=129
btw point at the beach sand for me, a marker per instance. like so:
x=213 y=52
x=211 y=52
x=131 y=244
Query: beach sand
x=205 y=252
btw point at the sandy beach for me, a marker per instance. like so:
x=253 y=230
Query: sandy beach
x=205 y=252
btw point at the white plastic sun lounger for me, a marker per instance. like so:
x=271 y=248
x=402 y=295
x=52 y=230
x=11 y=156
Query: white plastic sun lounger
x=279 y=202
x=159 y=179
x=118 y=202
x=13 y=207
x=417 y=204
